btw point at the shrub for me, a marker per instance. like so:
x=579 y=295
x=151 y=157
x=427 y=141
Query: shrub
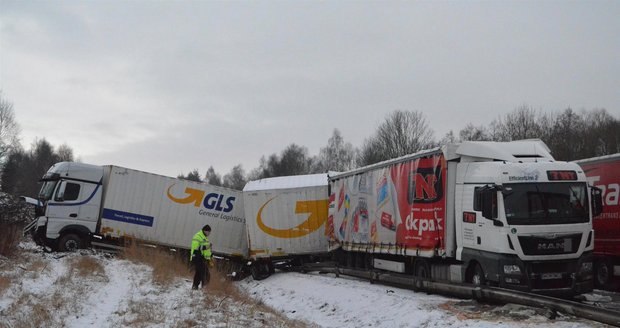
x=10 y=235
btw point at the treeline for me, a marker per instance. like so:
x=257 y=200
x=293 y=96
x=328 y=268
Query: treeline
x=21 y=170
x=570 y=135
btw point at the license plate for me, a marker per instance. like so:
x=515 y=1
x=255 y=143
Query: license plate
x=549 y=276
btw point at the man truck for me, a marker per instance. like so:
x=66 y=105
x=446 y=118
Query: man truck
x=604 y=173
x=499 y=213
x=81 y=205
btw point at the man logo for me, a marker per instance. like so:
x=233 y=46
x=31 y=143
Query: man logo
x=317 y=217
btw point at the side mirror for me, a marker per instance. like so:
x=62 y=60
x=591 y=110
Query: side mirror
x=597 y=201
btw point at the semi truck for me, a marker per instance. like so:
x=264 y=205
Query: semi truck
x=81 y=205
x=285 y=218
x=499 y=213
x=604 y=172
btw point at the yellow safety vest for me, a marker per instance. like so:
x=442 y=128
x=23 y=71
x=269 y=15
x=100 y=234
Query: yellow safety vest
x=200 y=242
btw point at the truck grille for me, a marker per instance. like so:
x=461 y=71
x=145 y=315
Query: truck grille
x=535 y=245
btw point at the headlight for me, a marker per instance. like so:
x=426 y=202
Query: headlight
x=512 y=269
x=586 y=267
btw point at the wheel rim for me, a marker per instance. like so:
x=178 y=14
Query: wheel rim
x=478 y=277
x=71 y=245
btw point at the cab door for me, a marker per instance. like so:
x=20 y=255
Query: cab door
x=73 y=203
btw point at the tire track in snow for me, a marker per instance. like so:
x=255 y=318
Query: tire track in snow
x=98 y=309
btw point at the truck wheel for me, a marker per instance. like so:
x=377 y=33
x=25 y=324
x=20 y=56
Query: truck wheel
x=477 y=276
x=259 y=270
x=603 y=274
x=69 y=243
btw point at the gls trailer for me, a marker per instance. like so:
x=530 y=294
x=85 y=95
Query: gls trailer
x=80 y=204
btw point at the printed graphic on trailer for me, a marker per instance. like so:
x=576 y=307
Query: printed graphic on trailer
x=127 y=217
x=400 y=204
x=210 y=204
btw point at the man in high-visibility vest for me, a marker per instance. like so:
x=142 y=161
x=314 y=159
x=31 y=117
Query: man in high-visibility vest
x=200 y=256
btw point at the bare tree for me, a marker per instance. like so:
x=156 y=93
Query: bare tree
x=370 y=153
x=449 y=138
x=212 y=178
x=402 y=133
x=194 y=175
x=337 y=156
x=293 y=160
x=64 y=153
x=521 y=123
x=602 y=133
x=235 y=179
x=474 y=133
x=9 y=129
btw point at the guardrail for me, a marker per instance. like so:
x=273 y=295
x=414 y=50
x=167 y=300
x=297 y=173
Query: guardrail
x=468 y=291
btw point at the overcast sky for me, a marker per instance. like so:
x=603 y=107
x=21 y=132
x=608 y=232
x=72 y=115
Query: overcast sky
x=169 y=86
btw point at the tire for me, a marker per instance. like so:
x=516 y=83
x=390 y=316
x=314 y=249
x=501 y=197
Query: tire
x=259 y=270
x=602 y=275
x=70 y=243
x=477 y=276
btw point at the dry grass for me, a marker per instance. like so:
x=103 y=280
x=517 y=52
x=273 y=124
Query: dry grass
x=37 y=315
x=166 y=265
x=87 y=266
x=5 y=283
x=10 y=235
x=224 y=296
x=144 y=314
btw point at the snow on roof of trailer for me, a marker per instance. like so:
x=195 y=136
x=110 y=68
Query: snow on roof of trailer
x=422 y=153
x=511 y=151
x=606 y=158
x=288 y=182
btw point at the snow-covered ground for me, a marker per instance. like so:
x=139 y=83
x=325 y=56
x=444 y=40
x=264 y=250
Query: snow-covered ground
x=350 y=302
x=95 y=290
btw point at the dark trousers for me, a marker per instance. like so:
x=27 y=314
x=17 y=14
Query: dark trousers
x=201 y=275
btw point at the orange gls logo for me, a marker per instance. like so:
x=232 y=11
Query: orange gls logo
x=318 y=216
x=212 y=201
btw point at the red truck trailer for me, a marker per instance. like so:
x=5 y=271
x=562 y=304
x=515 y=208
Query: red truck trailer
x=604 y=173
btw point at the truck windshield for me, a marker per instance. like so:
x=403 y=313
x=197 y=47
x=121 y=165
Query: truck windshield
x=546 y=203
x=47 y=190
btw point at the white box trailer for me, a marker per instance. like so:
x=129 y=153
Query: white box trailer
x=286 y=217
x=82 y=203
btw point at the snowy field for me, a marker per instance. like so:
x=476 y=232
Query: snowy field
x=94 y=290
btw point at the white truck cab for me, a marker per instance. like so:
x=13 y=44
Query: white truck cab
x=69 y=200
x=525 y=217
